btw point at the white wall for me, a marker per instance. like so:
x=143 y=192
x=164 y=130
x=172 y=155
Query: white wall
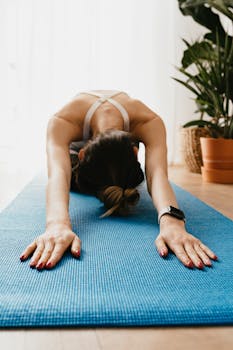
x=184 y=105
x=51 y=49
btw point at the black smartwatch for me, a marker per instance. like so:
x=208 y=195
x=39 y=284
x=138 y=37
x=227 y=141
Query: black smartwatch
x=175 y=212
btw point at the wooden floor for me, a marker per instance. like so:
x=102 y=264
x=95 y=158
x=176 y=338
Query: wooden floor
x=150 y=338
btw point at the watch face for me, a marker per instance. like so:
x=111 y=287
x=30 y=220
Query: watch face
x=177 y=212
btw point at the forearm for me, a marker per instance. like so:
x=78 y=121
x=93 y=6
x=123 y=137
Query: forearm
x=163 y=195
x=57 y=199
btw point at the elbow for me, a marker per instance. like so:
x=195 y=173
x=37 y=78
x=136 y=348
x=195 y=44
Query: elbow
x=158 y=175
x=149 y=182
x=149 y=188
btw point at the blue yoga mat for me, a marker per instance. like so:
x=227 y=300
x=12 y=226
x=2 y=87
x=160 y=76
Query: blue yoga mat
x=120 y=280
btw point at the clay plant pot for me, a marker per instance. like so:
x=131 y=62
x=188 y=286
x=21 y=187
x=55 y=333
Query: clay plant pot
x=217 y=156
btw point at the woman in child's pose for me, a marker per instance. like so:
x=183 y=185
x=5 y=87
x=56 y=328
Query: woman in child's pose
x=92 y=147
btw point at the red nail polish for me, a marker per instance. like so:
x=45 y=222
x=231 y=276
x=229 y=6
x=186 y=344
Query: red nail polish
x=39 y=266
x=162 y=252
x=77 y=253
x=215 y=257
x=190 y=264
x=48 y=265
x=22 y=257
x=200 y=265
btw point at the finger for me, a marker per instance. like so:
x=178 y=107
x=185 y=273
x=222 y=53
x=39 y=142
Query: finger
x=202 y=254
x=182 y=255
x=37 y=254
x=76 y=247
x=28 y=251
x=56 y=255
x=49 y=246
x=193 y=255
x=208 y=251
x=161 y=246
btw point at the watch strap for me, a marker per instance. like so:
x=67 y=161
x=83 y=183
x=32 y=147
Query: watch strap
x=168 y=210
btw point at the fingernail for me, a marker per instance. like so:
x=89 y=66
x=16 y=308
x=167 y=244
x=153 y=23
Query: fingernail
x=48 y=265
x=39 y=266
x=190 y=264
x=208 y=263
x=22 y=257
x=215 y=257
x=200 y=265
x=162 y=252
x=77 y=253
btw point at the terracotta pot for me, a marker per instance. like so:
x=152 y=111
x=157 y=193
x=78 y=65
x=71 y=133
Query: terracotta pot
x=217 y=175
x=217 y=156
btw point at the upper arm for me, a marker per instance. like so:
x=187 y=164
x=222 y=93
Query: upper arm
x=153 y=135
x=60 y=133
x=152 y=132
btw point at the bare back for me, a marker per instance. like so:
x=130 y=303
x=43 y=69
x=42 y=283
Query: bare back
x=76 y=110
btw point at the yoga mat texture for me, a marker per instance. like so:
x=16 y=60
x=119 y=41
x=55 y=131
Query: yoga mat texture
x=120 y=280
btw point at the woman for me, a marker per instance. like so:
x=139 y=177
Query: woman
x=92 y=147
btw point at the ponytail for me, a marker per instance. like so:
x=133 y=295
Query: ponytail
x=117 y=200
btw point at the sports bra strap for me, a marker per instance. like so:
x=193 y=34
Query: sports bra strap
x=96 y=104
x=101 y=95
x=87 y=119
x=123 y=111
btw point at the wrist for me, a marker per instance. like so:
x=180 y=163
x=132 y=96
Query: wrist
x=60 y=223
x=168 y=220
x=171 y=211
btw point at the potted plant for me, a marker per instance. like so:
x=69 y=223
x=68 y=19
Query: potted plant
x=212 y=61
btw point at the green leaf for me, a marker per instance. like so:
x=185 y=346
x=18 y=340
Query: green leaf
x=220 y=5
x=188 y=86
x=203 y=51
x=201 y=14
x=202 y=123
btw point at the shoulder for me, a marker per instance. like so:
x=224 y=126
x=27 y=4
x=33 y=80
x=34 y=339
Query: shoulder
x=72 y=109
x=150 y=126
x=140 y=112
x=153 y=133
x=65 y=122
x=141 y=109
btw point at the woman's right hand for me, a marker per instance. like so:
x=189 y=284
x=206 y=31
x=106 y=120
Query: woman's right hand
x=48 y=248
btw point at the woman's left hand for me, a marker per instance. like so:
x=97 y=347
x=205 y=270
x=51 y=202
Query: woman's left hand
x=188 y=249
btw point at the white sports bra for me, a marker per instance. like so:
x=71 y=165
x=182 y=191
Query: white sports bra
x=106 y=96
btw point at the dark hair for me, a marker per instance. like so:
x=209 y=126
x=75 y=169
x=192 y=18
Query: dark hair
x=109 y=170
